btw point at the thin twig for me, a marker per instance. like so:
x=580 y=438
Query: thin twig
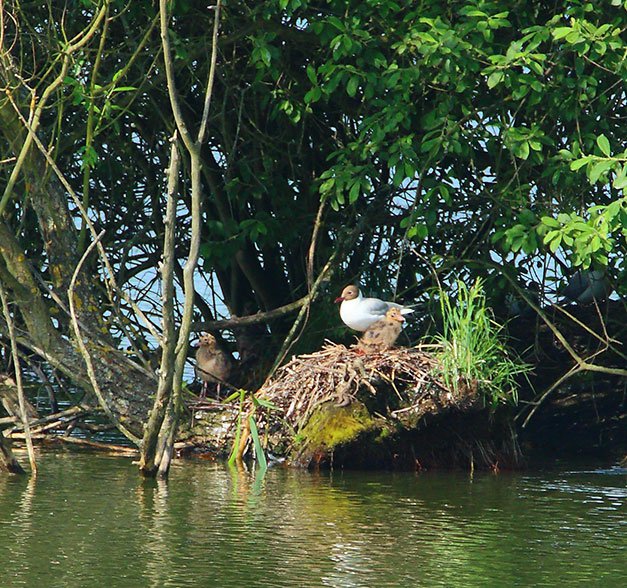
x=85 y=353
x=51 y=162
x=212 y=74
x=18 y=381
x=571 y=372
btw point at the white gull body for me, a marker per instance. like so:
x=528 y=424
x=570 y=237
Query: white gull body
x=359 y=313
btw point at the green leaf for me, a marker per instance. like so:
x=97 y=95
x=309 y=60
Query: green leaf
x=527 y=217
x=535 y=145
x=620 y=181
x=418 y=232
x=259 y=453
x=561 y=32
x=549 y=221
x=327 y=185
x=598 y=169
x=604 y=145
x=550 y=236
x=313 y=95
x=474 y=12
x=124 y=89
x=231 y=397
x=555 y=243
x=351 y=87
x=311 y=74
x=579 y=163
x=353 y=194
x=523 y=150
x=563 y=218
x=495 y=78
x=613 y=209
x=536 y=68
x=265 y=403
x=565 y=154
x=430 y=144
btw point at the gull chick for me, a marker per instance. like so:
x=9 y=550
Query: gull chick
x=382 y=334
x=212 y=364
x=359 y=313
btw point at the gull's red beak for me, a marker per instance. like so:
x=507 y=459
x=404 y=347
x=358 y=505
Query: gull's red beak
x=338 y=300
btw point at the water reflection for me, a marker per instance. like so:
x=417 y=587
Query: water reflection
x=92 y=519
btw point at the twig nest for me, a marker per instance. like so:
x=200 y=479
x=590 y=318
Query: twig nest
x=400 y=383
x=343 y=406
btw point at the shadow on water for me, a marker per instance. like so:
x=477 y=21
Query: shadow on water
x=90 y=519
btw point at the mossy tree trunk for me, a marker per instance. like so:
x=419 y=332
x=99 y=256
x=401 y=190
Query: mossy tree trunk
x=37 y=286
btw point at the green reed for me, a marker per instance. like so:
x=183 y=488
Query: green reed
x=473 y=348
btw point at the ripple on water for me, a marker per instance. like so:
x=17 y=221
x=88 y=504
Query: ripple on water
x=89 y=519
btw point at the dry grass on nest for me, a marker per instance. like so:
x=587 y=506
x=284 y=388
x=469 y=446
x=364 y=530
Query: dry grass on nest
x=337 y=374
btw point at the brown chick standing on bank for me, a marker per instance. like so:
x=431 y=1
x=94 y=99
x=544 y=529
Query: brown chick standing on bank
x=382 y=334
x=212 y=364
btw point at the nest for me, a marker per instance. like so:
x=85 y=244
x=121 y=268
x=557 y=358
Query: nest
x=407 y=378
x=386 y=408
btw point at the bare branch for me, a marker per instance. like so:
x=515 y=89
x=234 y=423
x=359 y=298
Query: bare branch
x=169 y=73
x=164 y=390
x=36 y=113
x=18 y=381
x=51 y=162
x=253 y=319
x=212 y=72
x=85 y=353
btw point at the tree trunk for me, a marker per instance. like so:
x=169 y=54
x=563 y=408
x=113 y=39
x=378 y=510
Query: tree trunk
x=7 y=459
x=126 y=385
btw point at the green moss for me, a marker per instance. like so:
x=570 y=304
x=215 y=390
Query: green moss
x=332 y=425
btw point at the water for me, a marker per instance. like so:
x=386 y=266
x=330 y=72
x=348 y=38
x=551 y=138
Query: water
x=89 y=520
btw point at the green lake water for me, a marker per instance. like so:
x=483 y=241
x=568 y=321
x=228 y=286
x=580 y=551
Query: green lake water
x=90 y=521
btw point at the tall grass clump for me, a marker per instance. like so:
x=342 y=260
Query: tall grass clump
x=473 y=351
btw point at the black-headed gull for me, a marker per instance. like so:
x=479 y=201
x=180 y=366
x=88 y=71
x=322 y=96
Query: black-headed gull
x=359 y=313
x=382 y=334
x=212 y=364
x=586 y=286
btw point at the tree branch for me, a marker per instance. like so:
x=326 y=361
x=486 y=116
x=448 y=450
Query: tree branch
x=253 y=319
x=85 y=353
x=18 y=381
x=212 y=73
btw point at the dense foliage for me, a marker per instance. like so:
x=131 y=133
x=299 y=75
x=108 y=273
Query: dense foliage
x=483 y=136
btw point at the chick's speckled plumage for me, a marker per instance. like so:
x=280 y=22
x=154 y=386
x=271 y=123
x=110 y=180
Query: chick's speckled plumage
x=383 y=334
x=212 y=364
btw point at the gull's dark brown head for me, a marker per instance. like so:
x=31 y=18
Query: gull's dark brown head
x=349 y=293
